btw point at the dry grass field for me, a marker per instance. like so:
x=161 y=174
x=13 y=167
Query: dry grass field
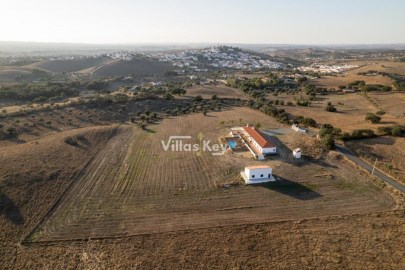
x=135 y=66
x=69 y=65
x=351 y=114
x=389 y=151
x=352 y=75
x=344 y=79
x=382 y=66
x=391 y=103
x=222 y=91
x=134 y=187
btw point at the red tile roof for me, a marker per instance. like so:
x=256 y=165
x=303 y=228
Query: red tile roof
x=259 y=137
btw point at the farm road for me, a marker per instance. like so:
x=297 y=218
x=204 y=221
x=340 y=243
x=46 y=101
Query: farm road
x=353 y=157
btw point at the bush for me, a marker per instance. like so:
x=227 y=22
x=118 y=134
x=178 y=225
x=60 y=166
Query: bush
x=396 y=131
x=328 y=141
x=359 y=134
x=71 y=141
x=380 y=113
x=330 y=108
x=304 y=103
x=198 y=98
x=373 y=118
x=309 y=122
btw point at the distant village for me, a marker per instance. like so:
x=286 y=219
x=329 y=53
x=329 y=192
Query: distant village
x=325 y=69
x=217 y=57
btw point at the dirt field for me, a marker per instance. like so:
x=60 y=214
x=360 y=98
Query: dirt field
x=134 y=187
x=369 y=241
x=351 y=114
x=222 y=91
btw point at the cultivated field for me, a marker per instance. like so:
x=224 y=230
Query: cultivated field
x=32 y=177
x=133 y=187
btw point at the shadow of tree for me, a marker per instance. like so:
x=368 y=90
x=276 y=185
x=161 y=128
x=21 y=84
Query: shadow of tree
x=10 y=210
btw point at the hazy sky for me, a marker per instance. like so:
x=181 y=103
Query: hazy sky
x=220 y=21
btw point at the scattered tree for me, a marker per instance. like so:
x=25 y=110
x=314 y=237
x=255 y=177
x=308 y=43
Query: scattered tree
x=374 y=119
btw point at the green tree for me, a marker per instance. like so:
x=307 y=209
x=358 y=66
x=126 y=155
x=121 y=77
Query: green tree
x=309 y=122
x=11 y=131
x=330 y=108
x=178 y=91
x=328 y=141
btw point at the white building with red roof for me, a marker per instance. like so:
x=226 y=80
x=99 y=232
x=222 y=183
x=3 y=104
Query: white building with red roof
x=259 y=140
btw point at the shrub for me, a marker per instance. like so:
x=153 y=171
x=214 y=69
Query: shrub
x=396 y=131
x=373 y=118
x=358 y=134
x=304 y=103
x=328 y=141
x=309 y=122
x=380 y=113
x=330 y=108
x=71 y=141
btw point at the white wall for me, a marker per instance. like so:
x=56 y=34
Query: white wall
x=257 y=173
x=269 y=150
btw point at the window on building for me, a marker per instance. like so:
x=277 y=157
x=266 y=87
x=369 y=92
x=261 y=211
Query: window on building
x=261 y=175
x=253 y=176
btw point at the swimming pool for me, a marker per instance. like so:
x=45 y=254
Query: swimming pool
x=232 y=144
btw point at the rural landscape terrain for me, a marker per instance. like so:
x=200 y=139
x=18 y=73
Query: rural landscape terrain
x=86 y=182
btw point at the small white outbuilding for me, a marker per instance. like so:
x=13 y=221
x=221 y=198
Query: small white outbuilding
x=297 y=153
x=298 y=128
x=257 y=174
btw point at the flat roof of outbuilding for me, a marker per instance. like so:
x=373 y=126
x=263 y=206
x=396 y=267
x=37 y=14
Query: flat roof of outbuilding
x=258 y=167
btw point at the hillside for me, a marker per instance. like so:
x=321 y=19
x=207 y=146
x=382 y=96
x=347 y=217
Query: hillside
x=139 y=66
x=69 y=65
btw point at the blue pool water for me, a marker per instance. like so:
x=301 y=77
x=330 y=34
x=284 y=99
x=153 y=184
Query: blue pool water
x=232 y=144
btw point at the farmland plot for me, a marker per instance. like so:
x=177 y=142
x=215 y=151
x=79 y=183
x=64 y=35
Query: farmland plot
x=135 y=187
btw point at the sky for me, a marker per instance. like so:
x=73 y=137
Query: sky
x=205 y=21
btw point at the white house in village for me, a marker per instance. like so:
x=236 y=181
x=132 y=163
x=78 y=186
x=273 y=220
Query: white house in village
x=297 y=153
x=259 y=140
x=257 y=174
